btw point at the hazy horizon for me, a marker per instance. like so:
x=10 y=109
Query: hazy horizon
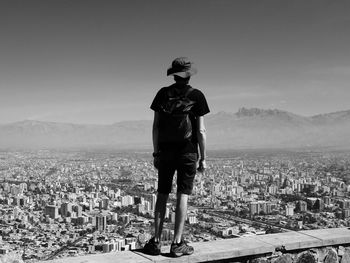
x=102 y=62
x=209 y=114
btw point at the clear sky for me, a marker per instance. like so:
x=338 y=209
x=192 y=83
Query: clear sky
x=99 y=61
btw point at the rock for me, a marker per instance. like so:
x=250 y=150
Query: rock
x=284 y=259
x=321 y=253
x=259 y=260
x=341 y=251
x=331 y=257
x=306 y=257
x=345 y=257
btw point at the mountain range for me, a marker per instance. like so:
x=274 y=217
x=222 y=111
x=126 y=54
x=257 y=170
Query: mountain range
x=248 y=128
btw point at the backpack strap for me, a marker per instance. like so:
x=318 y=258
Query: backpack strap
x=190 y=89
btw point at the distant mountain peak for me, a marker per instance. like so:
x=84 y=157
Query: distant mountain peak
x=335 y=115
x=248 y=112
x=28 y=123
x=224 y=113
x=247 y=128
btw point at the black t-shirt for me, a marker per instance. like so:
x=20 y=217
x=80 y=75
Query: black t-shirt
x=200 y=108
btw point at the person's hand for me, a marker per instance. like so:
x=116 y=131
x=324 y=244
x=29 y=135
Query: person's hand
x=156 y=159
x=156 y=162
x=202 y=166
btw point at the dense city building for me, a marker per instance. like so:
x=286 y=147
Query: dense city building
x=56 y=204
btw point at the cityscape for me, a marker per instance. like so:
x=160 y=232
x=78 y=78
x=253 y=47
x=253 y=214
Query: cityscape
x=81 y=84
x=57 y=204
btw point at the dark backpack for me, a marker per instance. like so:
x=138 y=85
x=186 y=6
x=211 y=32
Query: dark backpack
x=175 y=123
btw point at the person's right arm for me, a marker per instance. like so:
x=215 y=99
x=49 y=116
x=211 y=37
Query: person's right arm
x=155 y=132
x=201 y=137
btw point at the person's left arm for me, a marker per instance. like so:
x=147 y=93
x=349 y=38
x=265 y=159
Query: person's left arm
x=200 y=109
x=202 y=138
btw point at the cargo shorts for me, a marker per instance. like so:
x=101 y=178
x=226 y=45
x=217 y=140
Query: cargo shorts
x=185 y=164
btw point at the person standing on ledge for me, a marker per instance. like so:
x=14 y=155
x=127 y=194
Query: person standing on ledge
x=178 y=131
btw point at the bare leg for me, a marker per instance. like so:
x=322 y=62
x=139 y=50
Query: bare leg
x=181 y=211
x=159 y=215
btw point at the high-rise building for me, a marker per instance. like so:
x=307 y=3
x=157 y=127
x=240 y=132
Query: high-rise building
x=344 y=204
x=319 y=205
x=192 y=219
x=254 y=208
x=272 y=189
x=167 y=212
x=301 y=206
x=82 y=220
x=51 y=211
x=23 y=200
x=153 y=203
x=16 y=190
x=66 y=209
x=101 y=222
x=166 y=235
x=346 y=213
x=16 y=212
x=269 y=207
x=7 y=187
x=172 y=217
x=115 y=216
x=140 y=209
x=127 y=200
x=23 y=187
x=103 y=204
x=289 y=210
x=91 y=205
x=120 y=244
x=78 y=210
x=16 y=201
x=147 y=206
x=327 y=200
x=125 y=218
x=315 y=203
x=106 y=247
x=258 y=207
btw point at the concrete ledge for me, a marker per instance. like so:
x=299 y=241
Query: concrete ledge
x=290 y=240
x=229 y=248
x=125 y=256
x=308 y=239
x=217 y=250
x=330 y=236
